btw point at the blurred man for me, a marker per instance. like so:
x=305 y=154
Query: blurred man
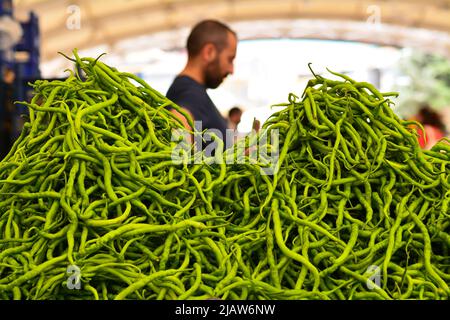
x=211 y=48
x=234 y=117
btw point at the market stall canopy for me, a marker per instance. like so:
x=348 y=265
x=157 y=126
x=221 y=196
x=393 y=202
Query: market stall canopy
x=84 y=24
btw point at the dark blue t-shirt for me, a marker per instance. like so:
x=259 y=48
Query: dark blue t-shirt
x=191 y=95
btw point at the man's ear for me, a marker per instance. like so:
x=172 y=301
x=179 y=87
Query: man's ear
x=209 y=52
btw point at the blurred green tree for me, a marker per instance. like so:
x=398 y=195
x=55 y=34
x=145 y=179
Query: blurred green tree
x=427 y=81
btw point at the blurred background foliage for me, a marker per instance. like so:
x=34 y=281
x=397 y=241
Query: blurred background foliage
x=426 y=81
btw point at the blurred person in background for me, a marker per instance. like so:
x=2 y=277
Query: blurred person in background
x=234 y=117
x=211 y=48
x=6 y=118
x=433 y=125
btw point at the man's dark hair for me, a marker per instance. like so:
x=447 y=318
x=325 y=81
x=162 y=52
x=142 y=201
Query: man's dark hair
x=233 y=111
x=208 y=31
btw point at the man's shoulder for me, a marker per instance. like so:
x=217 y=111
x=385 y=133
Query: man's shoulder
x=182 y=81
x=183 y=85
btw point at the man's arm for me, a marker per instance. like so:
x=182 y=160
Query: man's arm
x=184 y=120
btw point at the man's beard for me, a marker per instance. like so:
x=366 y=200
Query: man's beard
x=213 y=76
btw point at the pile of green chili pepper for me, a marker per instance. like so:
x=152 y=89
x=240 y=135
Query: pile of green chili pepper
x=355 y=202
x=354 y=210
x=90 y=188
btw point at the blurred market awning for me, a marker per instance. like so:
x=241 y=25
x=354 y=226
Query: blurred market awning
x=85 y=24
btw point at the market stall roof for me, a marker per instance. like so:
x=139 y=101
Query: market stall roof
x=83 y=24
